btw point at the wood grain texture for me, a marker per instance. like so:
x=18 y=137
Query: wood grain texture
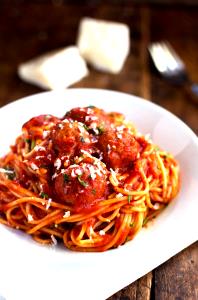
x=138 y=290
x=29 y=28
x=178 y=278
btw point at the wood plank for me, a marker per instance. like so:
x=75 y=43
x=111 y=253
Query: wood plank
x=178 y=277
x=144 y=285
x=138 y=290
x=144 y=55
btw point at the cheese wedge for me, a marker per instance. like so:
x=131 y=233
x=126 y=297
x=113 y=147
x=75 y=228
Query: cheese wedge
x=55 y=70
x=104 y=44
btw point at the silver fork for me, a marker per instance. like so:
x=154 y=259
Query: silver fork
x=171 y=66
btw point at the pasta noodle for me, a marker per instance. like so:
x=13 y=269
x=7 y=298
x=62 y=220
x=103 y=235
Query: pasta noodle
x=88 y=179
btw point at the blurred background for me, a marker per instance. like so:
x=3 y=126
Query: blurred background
x=30 y=28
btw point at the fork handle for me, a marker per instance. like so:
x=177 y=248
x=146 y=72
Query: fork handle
x=191 y=89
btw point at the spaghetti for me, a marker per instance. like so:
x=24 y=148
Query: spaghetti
x=88 y=179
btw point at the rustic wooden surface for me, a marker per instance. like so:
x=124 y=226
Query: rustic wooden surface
x=29 y=28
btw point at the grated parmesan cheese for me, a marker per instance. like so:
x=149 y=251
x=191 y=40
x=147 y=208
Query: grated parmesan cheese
x=101 y=232
x=67 y=214
x=119 y=195
x=30 y=218
x=54 y=175
x=39 y=148
x=57 y=163
x=113 y=174
x=54 y=240
x=48 y=203
x=33 y=166
x=45 y=133
x=49 y=156
x=156 y=206
x=90 y=118
x=119 y=136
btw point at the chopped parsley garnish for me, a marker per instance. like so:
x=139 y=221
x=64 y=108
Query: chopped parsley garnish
x=93 y=191
x=91 y=106
x=82 y=182
x=156 y=148
x=101 y=128
x=132 y=224
x=82 y=139
x=129 y=198
x=145 y=221
x=86 y=127
x=12 y=175
x=28 y=141
x=66 y=178
x=44 y=195
x=33 y=144
x=44 y=166
x=9 y=172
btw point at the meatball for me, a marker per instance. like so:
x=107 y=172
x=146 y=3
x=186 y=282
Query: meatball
x=69 y=137
x=120 y=148
x=95 y=119
x=38 y=126
x=81 y=186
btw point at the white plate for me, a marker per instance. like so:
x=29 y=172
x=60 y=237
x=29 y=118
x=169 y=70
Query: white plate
x=31 y=271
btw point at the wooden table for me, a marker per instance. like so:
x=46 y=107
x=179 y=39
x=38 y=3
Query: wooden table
x=29 y=28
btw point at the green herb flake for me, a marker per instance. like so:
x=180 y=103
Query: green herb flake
x=12 y=176
x=10 y=173
x=129 y=198
x=44 y=195
x=132 y=224
x=66 y=178
x=100 y=129
x=86 y=127
x=93 y=191
x=82 y=182
x=91 y=106
x=145 y=221
x=157 y=148
x=27 y=141
x=82 y=139
x=33 y=144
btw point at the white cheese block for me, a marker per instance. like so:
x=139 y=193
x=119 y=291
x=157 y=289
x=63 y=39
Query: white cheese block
x=55 y=70
x=104 y=44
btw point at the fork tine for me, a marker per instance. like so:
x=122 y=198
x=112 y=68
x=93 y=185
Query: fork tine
x=158 y=56
x=171 y=52
x=165 y=58
x=171 y=60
